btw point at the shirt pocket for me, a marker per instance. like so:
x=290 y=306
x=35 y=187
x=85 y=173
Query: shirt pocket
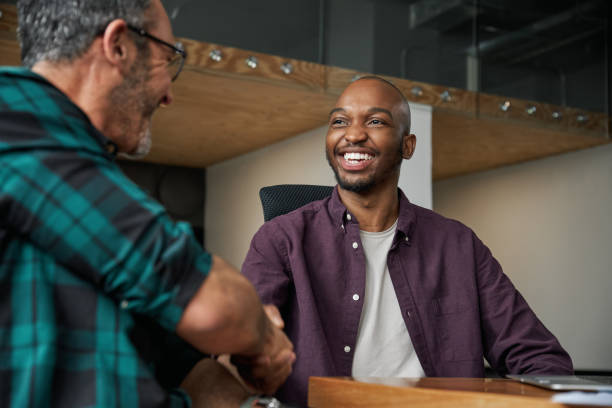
x=457 y=326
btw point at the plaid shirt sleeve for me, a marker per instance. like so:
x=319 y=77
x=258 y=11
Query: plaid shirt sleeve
x=95 y=222
x=75 y=204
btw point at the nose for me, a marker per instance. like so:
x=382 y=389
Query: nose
x=355 y=134
x=167 y=98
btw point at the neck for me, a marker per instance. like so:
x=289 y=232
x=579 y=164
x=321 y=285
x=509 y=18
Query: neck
x=84 y=83
x=376 y=210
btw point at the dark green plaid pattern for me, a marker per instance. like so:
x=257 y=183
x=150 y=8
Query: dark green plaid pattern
x=85 y=256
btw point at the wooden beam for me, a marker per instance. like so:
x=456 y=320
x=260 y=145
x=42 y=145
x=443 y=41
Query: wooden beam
x=543 y=114
x=9 y=54
x=217 y=117
x=465 y=144
x=229 y=60
x=8 y=22
x=225 y=107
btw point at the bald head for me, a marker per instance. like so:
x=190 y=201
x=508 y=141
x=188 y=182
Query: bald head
x=404 y=106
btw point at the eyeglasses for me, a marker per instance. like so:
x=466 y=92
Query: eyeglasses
x=175 y=65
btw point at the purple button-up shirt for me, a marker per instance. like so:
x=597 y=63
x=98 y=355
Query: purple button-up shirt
x=456 y=302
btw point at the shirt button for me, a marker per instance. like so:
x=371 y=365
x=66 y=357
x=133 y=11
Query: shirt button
x=355 y=245
x=406 y=238
x=347 y=349
x=348 y=217
x=124 y=304
x=355 y=297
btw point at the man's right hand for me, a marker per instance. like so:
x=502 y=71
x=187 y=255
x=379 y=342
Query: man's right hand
x=268 y=370
x=226 y=316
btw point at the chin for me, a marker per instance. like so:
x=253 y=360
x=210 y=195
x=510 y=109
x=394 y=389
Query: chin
x=355 y=186
x=142 y=148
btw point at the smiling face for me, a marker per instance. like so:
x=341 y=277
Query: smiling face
x=368 y=136
x=146 y=86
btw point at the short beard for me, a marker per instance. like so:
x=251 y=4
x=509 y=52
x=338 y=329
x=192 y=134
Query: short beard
x=130 y=94
x=142 y=149
x=362 y=186
x=359 y=187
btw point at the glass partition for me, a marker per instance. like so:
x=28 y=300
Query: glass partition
x=554 y=52
x=279 y=27
x=551 y=52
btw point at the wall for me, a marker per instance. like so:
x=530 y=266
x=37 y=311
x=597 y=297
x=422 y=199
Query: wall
x=549 y=223
x=233 y=210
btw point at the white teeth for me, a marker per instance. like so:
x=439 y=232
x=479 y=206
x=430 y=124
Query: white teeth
x=357 y=156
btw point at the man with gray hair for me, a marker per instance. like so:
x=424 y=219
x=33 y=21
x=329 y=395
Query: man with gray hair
x=93 y=272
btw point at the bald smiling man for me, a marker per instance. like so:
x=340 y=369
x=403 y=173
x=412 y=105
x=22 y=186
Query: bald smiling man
x=370 y=285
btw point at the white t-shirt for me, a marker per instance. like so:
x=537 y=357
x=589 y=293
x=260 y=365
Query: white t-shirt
x=383 y=348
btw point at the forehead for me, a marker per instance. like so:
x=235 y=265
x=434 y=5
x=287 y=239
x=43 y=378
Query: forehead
x=159 y=21
x=368 y=93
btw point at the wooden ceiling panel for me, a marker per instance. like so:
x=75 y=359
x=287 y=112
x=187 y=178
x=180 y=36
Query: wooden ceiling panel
x=9 y=54
x=217 y=117
x=465 y=144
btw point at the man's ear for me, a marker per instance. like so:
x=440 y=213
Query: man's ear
x=115 y=42
x=408 y=144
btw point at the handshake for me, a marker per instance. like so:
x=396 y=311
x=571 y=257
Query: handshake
x=226 y=318
x=230 y=380
x=266 y=371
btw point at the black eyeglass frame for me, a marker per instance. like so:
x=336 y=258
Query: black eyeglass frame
x=174 y=48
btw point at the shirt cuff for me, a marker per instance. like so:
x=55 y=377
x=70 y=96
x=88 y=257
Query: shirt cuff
x=185 y=290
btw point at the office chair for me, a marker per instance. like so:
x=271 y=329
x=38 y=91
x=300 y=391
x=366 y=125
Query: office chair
x=284 y=198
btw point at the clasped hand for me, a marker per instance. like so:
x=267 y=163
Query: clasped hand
x=269 y=369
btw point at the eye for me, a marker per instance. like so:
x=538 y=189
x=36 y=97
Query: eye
x=337 y=122
x=376 y=122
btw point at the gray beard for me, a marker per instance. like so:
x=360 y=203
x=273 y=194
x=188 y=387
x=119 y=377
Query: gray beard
x=132 y=91
x=143 y=148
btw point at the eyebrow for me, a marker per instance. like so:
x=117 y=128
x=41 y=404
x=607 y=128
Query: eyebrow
x=331 y=112
x=370 y=111
x=381 y=110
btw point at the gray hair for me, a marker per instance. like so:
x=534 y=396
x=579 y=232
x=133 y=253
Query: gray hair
x=63 y=30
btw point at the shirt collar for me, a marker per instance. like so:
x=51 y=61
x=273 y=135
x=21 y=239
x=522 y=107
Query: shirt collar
x=406 y=218
x=107 y=145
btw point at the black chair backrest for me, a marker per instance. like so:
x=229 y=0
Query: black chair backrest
x=284 y=198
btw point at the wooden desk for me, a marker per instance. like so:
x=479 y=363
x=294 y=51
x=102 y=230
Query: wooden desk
x=339 y=392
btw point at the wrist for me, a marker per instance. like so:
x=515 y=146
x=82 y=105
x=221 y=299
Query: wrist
x=256 y=401
x=266 y=330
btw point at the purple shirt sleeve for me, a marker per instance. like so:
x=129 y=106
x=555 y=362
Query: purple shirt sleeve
x=266 y=266
x=514 y=339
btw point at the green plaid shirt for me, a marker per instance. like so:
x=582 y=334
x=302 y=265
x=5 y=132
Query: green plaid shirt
x=93 y=272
